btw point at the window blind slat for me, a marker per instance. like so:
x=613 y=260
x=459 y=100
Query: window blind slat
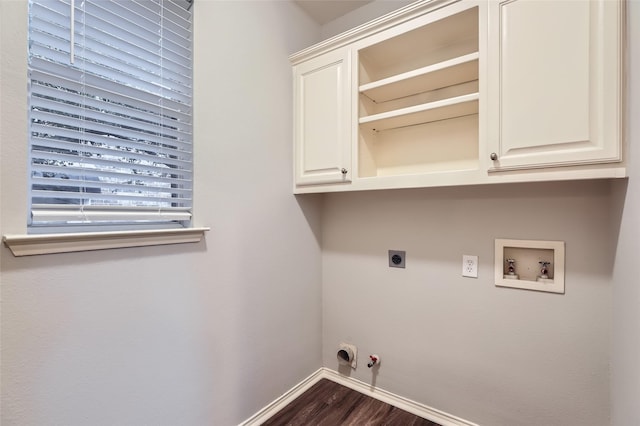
x=105 y=121
x=130 y=186
x=129 y=72
x=48 y=28
x=180 y=8
x=136 y=54
x=110 y=103
x=111 y=132
x=107 y=213
x=68 y=172
x=104 y=143
x=90 y=163
x=168 y=19
x=59 y=120
x=96 y=196
x=60 y=215
x=103 y=32
x=66 y=83
x=107 y=49
x=129 y=38
x=142 y=30
x=84 y=154
x=51 y=135
x=54 y=171
x=52 y=11
x=132 y=87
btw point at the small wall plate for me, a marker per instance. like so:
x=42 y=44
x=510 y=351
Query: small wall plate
x=396 y=258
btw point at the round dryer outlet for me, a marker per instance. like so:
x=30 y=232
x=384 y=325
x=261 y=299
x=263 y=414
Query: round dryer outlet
x=347 y=355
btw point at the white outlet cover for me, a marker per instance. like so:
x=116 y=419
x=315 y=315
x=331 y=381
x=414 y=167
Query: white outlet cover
x=469 y=266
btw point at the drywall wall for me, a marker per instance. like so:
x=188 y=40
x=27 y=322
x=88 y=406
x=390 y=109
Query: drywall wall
x=194 y=334
x=491 y=355
x=625 y=384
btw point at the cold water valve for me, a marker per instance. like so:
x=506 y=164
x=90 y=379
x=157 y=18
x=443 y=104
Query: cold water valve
x=544 y=270
x=373 y=360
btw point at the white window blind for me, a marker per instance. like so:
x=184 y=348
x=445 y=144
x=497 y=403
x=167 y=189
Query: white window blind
x=110 y=114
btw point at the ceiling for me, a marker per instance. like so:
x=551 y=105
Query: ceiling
x=323 y=11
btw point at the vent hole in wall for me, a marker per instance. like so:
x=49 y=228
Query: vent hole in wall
x=346 y=355
x=343 y=355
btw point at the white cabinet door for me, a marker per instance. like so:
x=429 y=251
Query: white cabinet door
x=322 y=119
x=554 y=72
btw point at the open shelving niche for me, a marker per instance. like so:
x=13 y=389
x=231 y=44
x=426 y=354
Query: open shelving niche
x=418 y=100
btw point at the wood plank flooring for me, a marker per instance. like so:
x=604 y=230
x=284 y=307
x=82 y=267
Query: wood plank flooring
x=328 y=403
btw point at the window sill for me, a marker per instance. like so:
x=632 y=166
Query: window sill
x=30 y=245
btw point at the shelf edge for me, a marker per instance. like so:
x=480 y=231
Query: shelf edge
x=420 y=71
x=419 y=108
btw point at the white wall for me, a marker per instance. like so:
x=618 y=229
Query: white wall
x=195 y=334
x=625 y=386
x=491 y=355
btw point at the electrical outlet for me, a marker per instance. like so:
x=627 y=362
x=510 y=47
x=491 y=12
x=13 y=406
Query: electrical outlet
x=397 y=258
x=469 y=266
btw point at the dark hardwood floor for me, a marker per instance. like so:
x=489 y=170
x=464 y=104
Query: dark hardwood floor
x=330 y=404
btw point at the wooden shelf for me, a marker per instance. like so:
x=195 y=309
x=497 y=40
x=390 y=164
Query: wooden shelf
x=420 y=114
x=438 y=40
x=443 y=74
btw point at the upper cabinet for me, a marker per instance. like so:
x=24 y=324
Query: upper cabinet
x=555 y=76
x=446 y=92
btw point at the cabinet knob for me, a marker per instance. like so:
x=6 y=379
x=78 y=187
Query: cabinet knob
x=344 y=171
x=494 y=156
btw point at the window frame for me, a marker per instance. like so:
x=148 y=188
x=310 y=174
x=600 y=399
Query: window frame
x=14 y=130
x=110 y=115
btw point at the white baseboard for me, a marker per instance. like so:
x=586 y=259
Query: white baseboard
x=282 y=401
x=405 y=404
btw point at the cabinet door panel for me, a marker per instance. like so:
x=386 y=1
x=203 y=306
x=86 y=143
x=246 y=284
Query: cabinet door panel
x=554 y=77
x=322 y=132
